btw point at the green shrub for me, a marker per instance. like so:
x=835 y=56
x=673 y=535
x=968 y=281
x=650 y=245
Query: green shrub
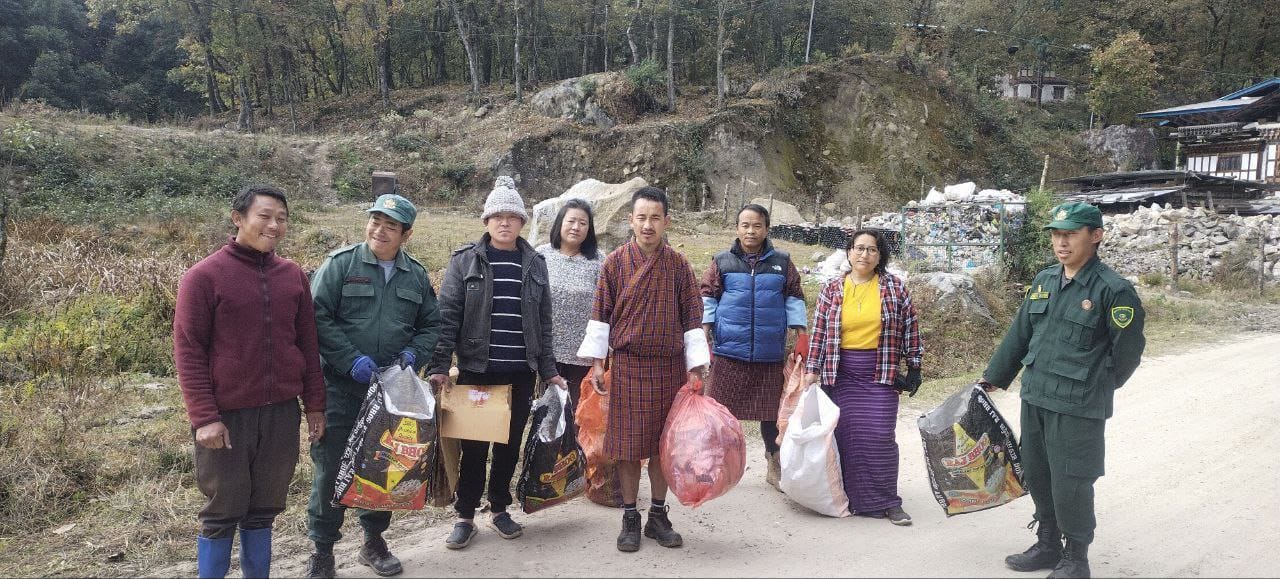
x=92 y=336
x=646 y=75
x=410 y=141
x=352 y=177
x=587 y=86
x=458 y=173
x=1027 y=248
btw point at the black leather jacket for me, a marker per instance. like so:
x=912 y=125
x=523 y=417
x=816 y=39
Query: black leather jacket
x=466 y=304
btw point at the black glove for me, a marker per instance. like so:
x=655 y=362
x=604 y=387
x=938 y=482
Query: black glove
x=909 y=383
x=406 y=359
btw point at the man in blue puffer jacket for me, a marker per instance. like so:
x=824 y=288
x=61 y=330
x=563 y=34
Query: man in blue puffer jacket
x=751 y=296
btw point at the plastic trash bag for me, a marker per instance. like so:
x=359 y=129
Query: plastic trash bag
x=809 y=457
x=554 y=469
x=971 y=454
x=390 y=457
x=703 y=451
x=791 y=392
x=603 y=485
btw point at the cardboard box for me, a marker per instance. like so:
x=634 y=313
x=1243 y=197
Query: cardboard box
x=476 y=412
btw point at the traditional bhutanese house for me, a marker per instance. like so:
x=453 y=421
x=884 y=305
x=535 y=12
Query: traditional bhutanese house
x=1227 y=158
x=1027 y=85
x=1236 y=135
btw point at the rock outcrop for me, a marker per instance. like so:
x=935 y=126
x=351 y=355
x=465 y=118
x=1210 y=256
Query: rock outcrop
x=610 y=204
x=1127 y=148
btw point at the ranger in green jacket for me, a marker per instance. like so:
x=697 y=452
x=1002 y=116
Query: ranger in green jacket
x=1079 y=337
x=374 y=307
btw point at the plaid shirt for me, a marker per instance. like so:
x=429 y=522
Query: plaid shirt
x=899 y=331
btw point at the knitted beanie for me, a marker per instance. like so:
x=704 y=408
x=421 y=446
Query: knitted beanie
x=504 y=199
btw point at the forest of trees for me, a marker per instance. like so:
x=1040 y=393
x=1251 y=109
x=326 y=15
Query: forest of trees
x=171 y=59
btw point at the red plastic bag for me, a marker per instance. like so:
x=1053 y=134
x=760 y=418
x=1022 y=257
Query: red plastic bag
x=791 y=392
x=603 y=484
x=703 y=451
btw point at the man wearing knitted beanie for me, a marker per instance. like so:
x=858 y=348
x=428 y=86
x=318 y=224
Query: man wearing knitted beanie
x=495 y=316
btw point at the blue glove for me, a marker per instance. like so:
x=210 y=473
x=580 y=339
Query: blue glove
x=362 y=370
x=406 y=359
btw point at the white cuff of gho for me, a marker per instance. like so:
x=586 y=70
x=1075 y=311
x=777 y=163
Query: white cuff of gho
x=696 y=351
x=595 y=344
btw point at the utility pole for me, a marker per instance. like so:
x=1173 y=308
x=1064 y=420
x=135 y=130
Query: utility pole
x=808 y=41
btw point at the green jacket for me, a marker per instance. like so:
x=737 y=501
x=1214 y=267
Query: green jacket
x=1078 y=343
x=357 y=313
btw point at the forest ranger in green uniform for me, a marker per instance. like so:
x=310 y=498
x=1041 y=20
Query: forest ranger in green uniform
x=374 y=307
x=1078 y=334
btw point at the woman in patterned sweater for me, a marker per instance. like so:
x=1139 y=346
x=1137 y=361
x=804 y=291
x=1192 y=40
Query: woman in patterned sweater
x=573 y=264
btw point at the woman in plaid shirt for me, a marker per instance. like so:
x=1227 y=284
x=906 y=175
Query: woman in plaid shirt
x=865 y=350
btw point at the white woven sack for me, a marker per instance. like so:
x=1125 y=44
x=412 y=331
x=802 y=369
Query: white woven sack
x=810 y=461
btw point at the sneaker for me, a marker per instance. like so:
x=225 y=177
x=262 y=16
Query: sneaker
x=376 y=555
x=629 y=538
x=505 y=526
x=659 y=527
x=897 y=516
x=461 y=536
x=321 y=567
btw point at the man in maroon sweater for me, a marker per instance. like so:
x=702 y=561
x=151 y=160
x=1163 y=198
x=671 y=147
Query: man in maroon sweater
x=244 y=343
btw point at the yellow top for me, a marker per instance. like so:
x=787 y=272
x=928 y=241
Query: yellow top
x=860 y=315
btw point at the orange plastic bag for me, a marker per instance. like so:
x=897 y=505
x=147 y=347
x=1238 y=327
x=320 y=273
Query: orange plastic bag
x=791 y=392
x=603 y=485
x=703 y=451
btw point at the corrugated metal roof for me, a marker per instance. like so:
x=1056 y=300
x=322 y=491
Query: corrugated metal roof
x=1212 y=106
x=1129 y=195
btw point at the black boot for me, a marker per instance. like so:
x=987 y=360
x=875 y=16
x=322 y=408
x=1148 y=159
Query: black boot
x=659 y=527
x=1074 y=563
x=1045 y=554
x=376 y=555
x=320 y=566
x=629 y=538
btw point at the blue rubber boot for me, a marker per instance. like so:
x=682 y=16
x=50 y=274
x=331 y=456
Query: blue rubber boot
x=255 y=553
x=213 y=557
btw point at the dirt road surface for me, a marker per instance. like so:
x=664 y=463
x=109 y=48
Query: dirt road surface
x=1193 y=461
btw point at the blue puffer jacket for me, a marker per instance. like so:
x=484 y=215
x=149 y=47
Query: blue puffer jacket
x=752 y=314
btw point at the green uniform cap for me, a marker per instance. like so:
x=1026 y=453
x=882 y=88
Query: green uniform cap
x=395 y=207
x=1072 y=216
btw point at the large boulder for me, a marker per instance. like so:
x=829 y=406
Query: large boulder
x=574 y=98
x=1128 y=148
x=782 y=213
x=610 y=202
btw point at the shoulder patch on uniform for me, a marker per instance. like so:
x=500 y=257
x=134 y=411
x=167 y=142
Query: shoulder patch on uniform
x=1122 y=316
x=343 y=249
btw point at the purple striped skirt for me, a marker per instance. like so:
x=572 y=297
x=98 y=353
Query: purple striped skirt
x=865 y=434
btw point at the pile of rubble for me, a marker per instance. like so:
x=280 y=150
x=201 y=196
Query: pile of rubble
x=1139 y=242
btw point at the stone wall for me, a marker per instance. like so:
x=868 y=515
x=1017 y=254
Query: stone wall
x=1138 y=242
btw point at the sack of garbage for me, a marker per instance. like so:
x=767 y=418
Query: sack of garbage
x=603 y=485
x=810 y=461
x=971 y=454
x=791 y=392
x=703 y=451
x=389 y=460
x=554 y=469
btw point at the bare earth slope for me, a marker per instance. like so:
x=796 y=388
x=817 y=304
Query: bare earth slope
x=1190 y=491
